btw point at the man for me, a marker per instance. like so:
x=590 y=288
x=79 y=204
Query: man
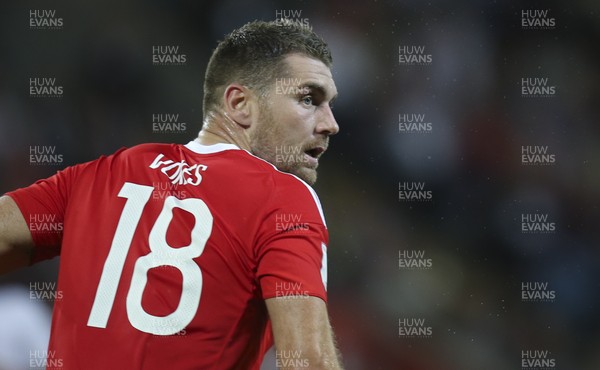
x=198 y=256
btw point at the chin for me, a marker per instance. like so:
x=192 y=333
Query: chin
x=309 y=175
x=306 y=174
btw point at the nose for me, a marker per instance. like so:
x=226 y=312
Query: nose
x=327 y=124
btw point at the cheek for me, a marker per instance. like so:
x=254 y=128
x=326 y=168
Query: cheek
x=303 y=124
x=294 y=122
x=304 y=119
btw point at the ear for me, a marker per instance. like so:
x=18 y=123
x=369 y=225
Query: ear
x=237 y=101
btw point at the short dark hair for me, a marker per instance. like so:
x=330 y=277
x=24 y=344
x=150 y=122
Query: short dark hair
x=252 y=54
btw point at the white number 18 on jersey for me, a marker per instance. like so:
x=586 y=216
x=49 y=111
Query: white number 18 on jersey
x=161 y=254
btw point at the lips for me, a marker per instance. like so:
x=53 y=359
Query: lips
x=312 y=155
x=315 y=152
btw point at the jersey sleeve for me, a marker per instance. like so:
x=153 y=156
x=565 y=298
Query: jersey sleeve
x=43 y=206
x=292 y=251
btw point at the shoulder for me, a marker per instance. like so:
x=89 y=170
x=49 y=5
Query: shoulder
x=289 y=191
x=281 y=181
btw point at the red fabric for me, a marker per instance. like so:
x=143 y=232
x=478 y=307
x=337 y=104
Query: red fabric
x=266 y=241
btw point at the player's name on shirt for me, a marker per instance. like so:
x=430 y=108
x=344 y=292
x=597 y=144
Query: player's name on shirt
x=180 y=173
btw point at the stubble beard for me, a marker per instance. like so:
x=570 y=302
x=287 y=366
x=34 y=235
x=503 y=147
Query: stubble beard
x=265 y=143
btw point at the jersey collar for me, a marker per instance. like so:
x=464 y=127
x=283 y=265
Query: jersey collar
x=196 y=147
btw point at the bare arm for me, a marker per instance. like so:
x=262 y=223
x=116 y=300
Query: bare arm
x=16 y=243
x=303 y=335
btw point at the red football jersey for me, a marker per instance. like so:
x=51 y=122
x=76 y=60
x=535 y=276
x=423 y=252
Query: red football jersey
x=168 y=253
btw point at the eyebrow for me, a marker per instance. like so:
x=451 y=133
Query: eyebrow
x=318 y=88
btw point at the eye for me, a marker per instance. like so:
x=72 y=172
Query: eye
x=307 y=100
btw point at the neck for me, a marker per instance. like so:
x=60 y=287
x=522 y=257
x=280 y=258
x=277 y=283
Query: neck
x=218 y=128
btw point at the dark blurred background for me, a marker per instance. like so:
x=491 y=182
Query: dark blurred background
x=468 y=94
